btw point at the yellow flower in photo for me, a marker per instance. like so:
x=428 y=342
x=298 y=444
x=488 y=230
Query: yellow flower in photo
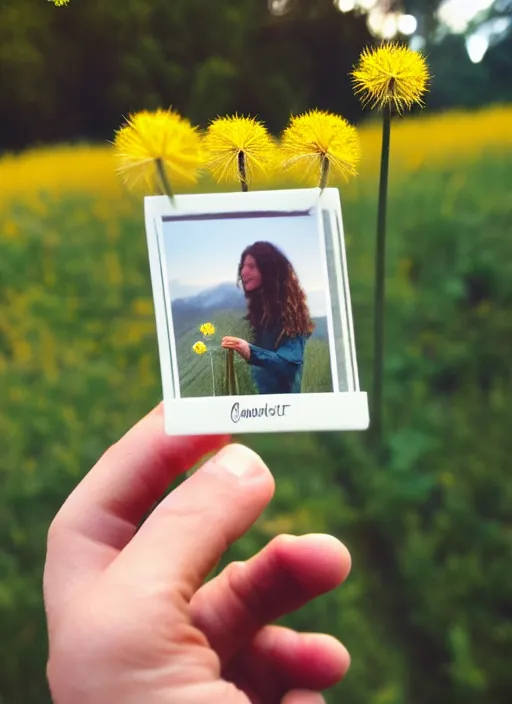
x=158 y=148
x=207 y=329
x=318 y=142
x=59 y=3
x=238 y=149
x=200 y=348
x=391 y=75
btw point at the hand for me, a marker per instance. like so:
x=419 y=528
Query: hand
x=237 y=344
x=130 y=618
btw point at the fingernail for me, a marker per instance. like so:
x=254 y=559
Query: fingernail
x=238 y=461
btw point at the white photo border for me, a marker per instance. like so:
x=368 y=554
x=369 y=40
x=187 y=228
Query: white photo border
x=331 y=411
x=327 y=293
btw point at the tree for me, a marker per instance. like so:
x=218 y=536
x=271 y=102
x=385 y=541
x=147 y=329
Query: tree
x=99 y=61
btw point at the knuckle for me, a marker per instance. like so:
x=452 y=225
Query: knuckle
x=280 y=541
x=55 y=531
x=253 y=596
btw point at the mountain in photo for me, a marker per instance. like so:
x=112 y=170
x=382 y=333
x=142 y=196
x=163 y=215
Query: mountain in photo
x=205 y=305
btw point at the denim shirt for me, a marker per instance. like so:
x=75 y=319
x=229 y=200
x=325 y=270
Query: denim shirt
x=277 y=370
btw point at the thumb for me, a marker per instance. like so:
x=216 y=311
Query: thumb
x=189 y=531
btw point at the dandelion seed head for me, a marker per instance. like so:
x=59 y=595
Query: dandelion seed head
x=163 y=136
x=392 y=75
x=228 y=137
x=318 y=136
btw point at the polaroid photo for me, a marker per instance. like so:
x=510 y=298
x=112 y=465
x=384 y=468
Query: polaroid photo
x=253 y=313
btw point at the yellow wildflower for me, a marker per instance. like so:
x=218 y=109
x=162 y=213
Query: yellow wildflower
x=199 y=348
x=59 y=3
x=388 y=76
x=391 y=75
x=238 y=148
x=317 y=142
x=207 y=329
x=158 y=146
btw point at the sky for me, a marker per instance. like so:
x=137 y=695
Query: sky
x=455 y=15
x=203 y=254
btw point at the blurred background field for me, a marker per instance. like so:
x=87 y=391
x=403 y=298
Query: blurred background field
x=427 y=610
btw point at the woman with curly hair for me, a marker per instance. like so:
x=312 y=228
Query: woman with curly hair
x=279 y=318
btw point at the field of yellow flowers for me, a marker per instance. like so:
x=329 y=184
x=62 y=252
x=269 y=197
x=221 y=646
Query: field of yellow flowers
x=79 y=365
x=420 y=142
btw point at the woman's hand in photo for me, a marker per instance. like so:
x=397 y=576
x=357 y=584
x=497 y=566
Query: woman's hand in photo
x=237 y=344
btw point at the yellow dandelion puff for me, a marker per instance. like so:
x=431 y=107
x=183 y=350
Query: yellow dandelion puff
x=199 y=348
x=318 y=142
x=238 y=149
x=158 y=149
x=207 y=329
x=391 y=75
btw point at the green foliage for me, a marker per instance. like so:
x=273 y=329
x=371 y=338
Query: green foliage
x=203 y=58
x=426 y=610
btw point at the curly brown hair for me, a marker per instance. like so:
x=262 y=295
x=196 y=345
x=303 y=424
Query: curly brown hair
x=280 y=300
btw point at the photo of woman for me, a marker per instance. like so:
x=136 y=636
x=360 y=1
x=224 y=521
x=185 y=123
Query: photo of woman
x=252 y=312
x=250 y=317
x=279 y=318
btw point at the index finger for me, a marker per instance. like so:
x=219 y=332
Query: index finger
x=103 y=513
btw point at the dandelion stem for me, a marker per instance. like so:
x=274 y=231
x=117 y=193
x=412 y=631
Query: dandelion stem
x=380 y=279
x=324 y=171
x=231 y=385
x=242 y=171
x=164 y=181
